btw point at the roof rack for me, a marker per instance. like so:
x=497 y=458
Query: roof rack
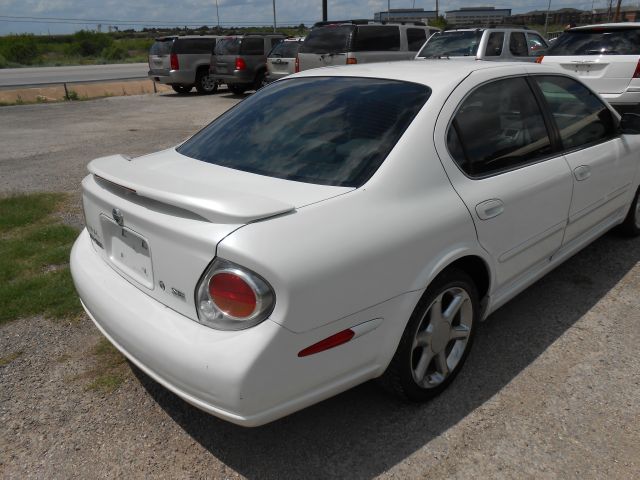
x=490 y=25
x=391 y=22
x=357 y=21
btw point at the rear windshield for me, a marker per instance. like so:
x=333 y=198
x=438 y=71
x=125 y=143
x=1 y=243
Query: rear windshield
x=285 y=50
x=328 y=40
x=228 y=46
x=454 y=44
x=339 y=136
x=598 y=41
x=194 y=45
x=161 y=47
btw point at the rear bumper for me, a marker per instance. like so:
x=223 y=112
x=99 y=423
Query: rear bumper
x=272 y=77
x=248 y=377
x=174 y=77
x=238 y=76
x=628 y=98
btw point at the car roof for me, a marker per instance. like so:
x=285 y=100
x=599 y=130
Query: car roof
x=608 y=25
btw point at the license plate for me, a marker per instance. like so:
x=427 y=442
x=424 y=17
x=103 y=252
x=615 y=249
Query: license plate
x=128 y=251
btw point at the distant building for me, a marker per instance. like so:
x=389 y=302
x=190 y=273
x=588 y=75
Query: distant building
x=405 y=15
x=604 y=15
x=477 y=16
x=563 y=16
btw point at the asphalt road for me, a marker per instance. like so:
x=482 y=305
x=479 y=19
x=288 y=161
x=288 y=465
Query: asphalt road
x=551 y=389
x=39 y=76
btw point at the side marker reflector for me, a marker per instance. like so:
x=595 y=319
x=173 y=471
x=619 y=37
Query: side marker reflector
x=329 y=342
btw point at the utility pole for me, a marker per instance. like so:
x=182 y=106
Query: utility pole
x=274 y=16
x=609 y=12
x=546 y=20
x=217 y=14
x=388 y=10
x=617 y=17
x=437 y=13
x=324 y=10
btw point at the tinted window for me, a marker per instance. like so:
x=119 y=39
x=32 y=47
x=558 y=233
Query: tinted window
x=494 y=44
x=518 y=45
x=372 y=39
x=580 y=116
x=274 y=41
x=228 y=46
x=599 y=41
x=285 y=50
x=193 y=45
x=161 y=47
x=252 y=46
x=328 y=40
x=498 y=127
x=464 y=43
x=536 y=43
x=416 y=38
x=338 y=136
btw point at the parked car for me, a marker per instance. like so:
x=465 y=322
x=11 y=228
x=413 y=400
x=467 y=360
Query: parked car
x=361 y=41
x=183 y=62
x=505 y=44
x=240 y=61
x=605 y=57
x=347 y=223
x=281 y=60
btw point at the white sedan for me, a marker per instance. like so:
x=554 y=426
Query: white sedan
x=345 y=224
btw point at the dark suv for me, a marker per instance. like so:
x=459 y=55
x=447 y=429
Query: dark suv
x=240 y=61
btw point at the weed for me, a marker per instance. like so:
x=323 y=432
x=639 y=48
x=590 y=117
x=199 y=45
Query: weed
x=9 y=358
x=111 y=368
x=72 y=95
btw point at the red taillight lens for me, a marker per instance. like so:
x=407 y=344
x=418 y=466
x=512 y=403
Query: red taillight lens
x=296 y=68
x=636 y=74
x=352 y=61
x=539 y=59
x=240 y=64
x=175 y=65
x=232 y=294
x=329 y=342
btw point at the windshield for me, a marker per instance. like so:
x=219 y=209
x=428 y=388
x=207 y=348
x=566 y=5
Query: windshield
x=161 y=47
x=329 y=39
x=228 y=46
x=454 y=44
x=285 y=50
x=339 y=136
x=598 y=41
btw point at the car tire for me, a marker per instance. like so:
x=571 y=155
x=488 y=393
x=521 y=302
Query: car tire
x=261 y=80
x=237 y=88
x=631 y=225
x=205 y=84
x=182 y=89
x=436 y=340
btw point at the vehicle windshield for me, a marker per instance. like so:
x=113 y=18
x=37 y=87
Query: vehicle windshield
x=597 y=41
x=228 y=46
x=285 y=50
x=330 y=39
x=339 y=136
x=452 y=44
x=161 y=47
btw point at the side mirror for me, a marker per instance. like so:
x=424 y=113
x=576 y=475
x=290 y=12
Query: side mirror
x=630 y=123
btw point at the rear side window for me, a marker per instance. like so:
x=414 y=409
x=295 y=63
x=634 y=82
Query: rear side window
x=274 y=41
x=536 y=43
x=454 y=44
x=498 y=127
x=518 y=45
x=252 y=46
x=161 y=47
x=228 y=46
x=374 y=39
x=598 y=41
x=285 y=50
x=193 y=45
x=339 y=135
x=328 y=39
x=494 y=44
x=416 y=38
x=580 y=116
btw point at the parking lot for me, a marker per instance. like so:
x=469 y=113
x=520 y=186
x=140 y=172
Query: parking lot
x=551 y=388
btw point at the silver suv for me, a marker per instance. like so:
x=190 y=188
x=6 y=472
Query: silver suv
x=183 y=62
x=361 y=41
x=502 y=44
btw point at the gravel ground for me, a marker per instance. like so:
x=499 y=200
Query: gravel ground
x=551 y=388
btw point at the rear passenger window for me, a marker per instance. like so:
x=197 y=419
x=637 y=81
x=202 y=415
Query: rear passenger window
x=193 y=45
x=518 y=45
x=371 y=39
x=252 y=46
x=494 y=44
x=536 y=43
x=416 y=38
x=580 y=116
x=275 y=41
x=498 y=127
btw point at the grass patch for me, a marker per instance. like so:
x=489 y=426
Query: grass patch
x=9 y=358
x=34 y=258
x=111 y=368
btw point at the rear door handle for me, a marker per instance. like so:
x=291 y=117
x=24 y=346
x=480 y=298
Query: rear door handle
x=582 y=172
x=489 y=208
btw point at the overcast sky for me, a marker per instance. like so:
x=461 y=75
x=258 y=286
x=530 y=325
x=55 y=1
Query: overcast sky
x=231 y=12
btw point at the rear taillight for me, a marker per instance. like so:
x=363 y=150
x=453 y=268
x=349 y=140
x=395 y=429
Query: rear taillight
x=296 y=68
x=175 y=65
x=352 y=61
x=636 y=74
x=231 y=297
x=240 y=64
x=539 y=59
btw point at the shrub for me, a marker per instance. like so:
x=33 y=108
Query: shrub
x=3 y=61
x=90 y=43
x=21 y=49
x=115 y=52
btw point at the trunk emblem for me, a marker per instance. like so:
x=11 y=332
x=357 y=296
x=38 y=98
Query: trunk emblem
x=118 y=216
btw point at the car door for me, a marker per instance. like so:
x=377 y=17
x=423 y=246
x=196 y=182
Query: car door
x=495 y=145
x=603 y=164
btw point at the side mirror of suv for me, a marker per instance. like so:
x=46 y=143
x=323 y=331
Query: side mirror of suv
x=630 y=123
